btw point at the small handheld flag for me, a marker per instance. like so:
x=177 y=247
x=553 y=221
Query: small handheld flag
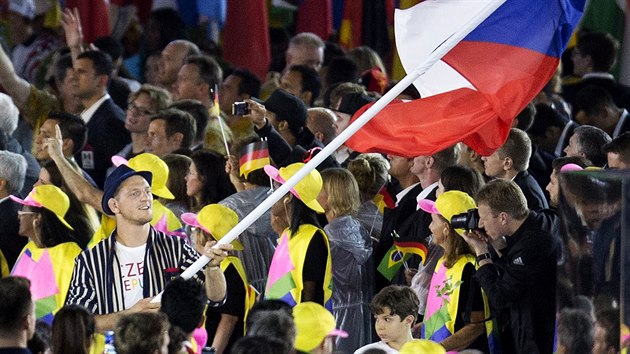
x=400 y=251
x=253 y=156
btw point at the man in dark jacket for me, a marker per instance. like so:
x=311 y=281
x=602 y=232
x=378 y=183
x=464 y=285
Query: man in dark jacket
x=511 y=161
x=282 y=121
x=105 y=121
x=519 y=276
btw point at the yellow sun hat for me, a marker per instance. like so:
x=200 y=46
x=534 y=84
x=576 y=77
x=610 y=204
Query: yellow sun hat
x=305 y=190
x=449 y=204
x=313 y=323
x=153 y=164
x=416 y=346
x=49 y=197
x=216 y=220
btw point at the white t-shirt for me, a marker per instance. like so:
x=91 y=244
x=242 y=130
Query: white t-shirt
x=378 y=345
x=131 y=260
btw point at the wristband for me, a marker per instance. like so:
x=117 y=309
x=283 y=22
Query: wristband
x=482 y=257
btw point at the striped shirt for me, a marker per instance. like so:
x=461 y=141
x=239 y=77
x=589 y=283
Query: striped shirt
x=97 y=282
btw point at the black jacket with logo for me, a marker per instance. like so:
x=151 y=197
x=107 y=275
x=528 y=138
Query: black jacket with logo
x=521 y=288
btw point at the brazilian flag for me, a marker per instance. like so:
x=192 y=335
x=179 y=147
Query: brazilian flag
x=392 y=262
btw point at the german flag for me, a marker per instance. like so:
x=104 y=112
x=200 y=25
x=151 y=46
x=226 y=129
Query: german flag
x=253 y=156
x=407 y=247
x=383 y=199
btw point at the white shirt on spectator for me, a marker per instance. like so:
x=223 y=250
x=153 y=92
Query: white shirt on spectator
x=87 y=114
x=131 y=260
x=378 y=345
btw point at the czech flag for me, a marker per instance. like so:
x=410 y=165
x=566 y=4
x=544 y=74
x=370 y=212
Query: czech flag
x=481 y=84
x=254 y=156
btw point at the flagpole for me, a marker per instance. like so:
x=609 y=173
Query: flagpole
x=306 y=169
x=227 y=148
x=433 y=58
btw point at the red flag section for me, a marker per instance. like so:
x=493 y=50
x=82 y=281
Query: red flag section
x=480 y=120
x=414 y=247
x=315 y=16
x=246 y=36
x=94 y=18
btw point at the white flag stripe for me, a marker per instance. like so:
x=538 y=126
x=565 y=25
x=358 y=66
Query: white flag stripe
x=421 y=29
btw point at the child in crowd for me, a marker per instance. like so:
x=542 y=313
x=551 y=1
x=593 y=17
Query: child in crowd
x=395 y=309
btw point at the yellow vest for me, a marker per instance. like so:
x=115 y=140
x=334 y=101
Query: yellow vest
x=50 y=272
x=4 y=266
x=443 y=302
x=285 y=281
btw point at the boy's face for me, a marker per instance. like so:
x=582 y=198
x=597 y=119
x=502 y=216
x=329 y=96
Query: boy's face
x=391 y=328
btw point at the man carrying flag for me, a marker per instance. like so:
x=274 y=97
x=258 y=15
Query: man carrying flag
x=388 y=262
x=497 y=55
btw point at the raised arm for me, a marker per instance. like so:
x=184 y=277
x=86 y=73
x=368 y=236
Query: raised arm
x=84 y=190
x=15 y=86
x=71 y=22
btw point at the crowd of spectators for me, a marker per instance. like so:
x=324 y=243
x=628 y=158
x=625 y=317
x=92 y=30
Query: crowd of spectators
x=123 y=163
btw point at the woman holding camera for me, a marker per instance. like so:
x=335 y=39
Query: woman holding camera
x=456 y=307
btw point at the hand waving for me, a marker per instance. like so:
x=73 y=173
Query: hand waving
x=71 y=22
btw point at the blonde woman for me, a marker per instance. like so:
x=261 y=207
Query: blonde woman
x=350 y=249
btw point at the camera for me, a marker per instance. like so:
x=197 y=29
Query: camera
x=240 y=108
x=467 y=221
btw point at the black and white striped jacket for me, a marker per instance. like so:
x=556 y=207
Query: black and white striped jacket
x=97 y=282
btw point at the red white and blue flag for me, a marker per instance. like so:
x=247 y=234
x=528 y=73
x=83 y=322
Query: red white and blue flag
x=481 y=84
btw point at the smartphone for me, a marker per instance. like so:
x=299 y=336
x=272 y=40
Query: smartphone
x=240 y=109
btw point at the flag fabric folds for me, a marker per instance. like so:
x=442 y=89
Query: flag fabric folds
x=351 y=27
x=391 y=263
x=315 y=16
x=480 y=85
x=253 y=156
x=246 y=36
x=383 y=199
x=374 y=32
x=414 y=247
